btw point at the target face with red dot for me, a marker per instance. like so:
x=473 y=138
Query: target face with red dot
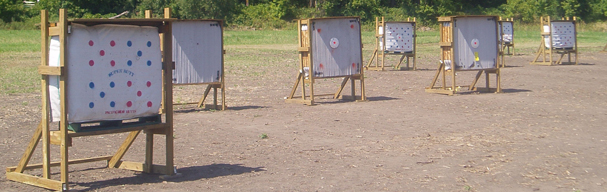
x=114 y=72
x=336 y=47
x=399 y=37
x=563 y=34
x=475 y=43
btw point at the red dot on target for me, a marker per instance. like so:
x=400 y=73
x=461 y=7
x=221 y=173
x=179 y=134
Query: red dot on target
x=318 y=30
x=112 y=63
x=353 y=64
x=102 y=53
x=112 y=43
x=351 y=26
x=129 y=83
x=91 y=43
x=138 y=93
x=91 y=63
x=129 y=104
x=149 y=104
x=149 y=84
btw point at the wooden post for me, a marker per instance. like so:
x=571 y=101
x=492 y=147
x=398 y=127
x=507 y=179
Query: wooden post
x=44 y=49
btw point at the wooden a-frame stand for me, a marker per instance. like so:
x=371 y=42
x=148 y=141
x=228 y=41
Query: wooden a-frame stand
x=63 y=137
x=544 y=51
x=305 y=62
x=447 y=53
x=214 y=85
x=380 y=50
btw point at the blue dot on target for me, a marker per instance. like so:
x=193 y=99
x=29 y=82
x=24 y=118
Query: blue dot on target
x=92 y=85
x=91 y=105
x=102 y=94
x=112 y=104
x=129 y=43
x=129 y=63
x=149 y=63
x=139 y=53
x=149 y=43
x=112 y=84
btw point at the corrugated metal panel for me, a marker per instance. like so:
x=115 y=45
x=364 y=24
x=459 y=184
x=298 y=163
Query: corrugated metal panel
x=336 y=47
x=475 y=43
x=197 y=51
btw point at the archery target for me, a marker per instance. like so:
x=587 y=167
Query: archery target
x=506 y=32
x=475 y=44
x=113 y=72
x=336 y=47
x=399 y=37
x=197 y=51
x=563 y=34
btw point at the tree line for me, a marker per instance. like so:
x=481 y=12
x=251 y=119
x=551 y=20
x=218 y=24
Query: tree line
x=275 y=13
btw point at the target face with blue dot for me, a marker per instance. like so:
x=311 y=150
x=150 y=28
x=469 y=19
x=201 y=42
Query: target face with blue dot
x=507 y=31
x=114 y=72
x=399 y=37
x=563 y=34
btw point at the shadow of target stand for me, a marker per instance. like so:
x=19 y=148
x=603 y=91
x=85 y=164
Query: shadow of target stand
x=65 y=53
x=467 y=43
x=560 y=37
x=328 y=48
x=393 y=38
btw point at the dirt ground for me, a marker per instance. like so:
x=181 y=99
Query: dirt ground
x=546 y=132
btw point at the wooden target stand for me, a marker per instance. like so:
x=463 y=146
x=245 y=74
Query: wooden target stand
x=63 y=137
x=379 y=49
x=305 y=64
x=505 y=46
x=214 y=85
x=544 y=51
x=447 y=53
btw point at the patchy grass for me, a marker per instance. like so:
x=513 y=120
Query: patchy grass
x=250 y=52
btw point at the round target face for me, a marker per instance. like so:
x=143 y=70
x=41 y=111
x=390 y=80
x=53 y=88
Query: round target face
x=334 y=43
x=474 y=43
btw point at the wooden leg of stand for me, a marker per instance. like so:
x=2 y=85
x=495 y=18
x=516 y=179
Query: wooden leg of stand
x=204 y=96
x=123 y=148
x=149 y=152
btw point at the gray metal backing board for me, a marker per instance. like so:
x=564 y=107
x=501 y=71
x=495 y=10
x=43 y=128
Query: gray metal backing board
x=197 y=51
x=475 y=43
x=336 y=47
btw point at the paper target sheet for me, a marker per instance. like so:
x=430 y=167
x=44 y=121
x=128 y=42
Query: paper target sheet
x=114 y=72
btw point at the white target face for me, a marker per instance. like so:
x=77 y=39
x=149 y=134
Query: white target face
x=334 y=43
x=113 y=71
x=474 y=43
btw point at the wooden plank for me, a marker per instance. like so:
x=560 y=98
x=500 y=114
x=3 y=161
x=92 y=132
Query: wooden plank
x=63 y=123
x=136 y=166
x=123 y=148
x=55 y=138
x=149 y=151
x=44 y=91
x=49 y=70
x=299 y=101
x=36 y=181
x=303 y=49
x=113 y=131
x=54 y=31
x=27 y=155
x=58 y=163
x=441 y=91
x=445 y=44
x=168 y=92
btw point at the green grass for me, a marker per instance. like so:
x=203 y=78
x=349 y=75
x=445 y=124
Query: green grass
x=19 y=40
x=247 y=49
